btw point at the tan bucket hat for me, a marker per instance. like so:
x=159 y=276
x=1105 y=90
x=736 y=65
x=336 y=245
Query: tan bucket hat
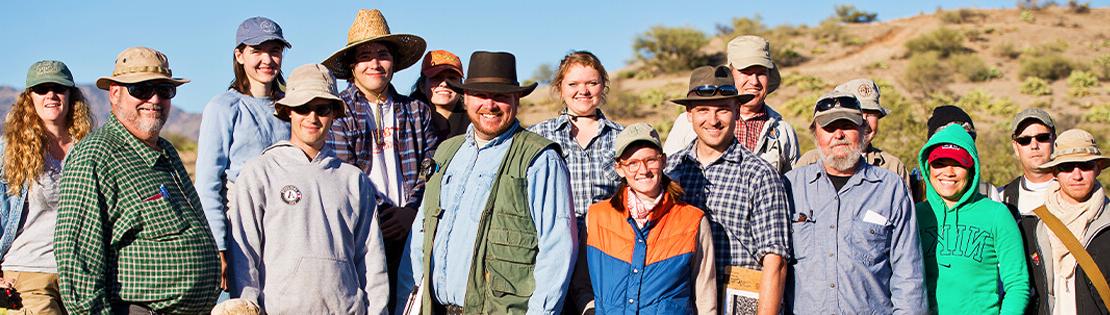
x=138 y=64
x=750 y=50
x=1076 y=145
x=370 y=25
x=309 y=82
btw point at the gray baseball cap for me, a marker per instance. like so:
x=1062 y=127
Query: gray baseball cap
x=256 y=30
x=867 y=92
x=835 y=106
x=49 y=71
x=1037 y=114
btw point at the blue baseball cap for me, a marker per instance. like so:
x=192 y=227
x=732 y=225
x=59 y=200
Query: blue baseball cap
x=256 y=30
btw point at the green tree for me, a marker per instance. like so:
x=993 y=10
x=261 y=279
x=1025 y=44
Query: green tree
x=670 y=49
x=544 y=73
x=849 y=14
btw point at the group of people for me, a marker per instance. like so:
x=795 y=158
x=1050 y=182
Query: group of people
x=309 y=199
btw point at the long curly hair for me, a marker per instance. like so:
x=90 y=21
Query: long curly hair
x=25 y=137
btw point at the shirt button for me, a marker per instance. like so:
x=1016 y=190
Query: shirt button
x=641 y=241
x=832 y=226
x=832 y=285
x=832 y=254
x=635 y=270
x=630 y=301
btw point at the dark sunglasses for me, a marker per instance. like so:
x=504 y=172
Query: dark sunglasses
x=321 y=110
x=1070 y=166
x=840 y=101
x=1041 y=137
x=42 y=89
x=144 y=91
x=710 y=90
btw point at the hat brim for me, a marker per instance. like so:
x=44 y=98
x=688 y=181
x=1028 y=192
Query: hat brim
x=827 y=119
x=262 y=39
x=104 y=82
x=493 y=87
x=437 y=69
x=59 y=81
x=409 y=50
x=299 y=99
x=774 y=78
x=1102 y=160
x=691 y=100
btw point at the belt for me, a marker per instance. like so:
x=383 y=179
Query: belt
x=453 y=309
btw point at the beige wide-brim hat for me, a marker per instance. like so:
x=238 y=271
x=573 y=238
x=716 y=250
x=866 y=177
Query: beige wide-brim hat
x=1075 y=145
x=750 y=50
x=138 y=64
x=309 y=82
x=370 y=26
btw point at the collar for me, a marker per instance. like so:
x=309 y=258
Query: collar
x=353 y=94
x=146 y=153
x=563 y=121
x=501 y=138
x=864 y=172
x=735 y=153
x=662 y=207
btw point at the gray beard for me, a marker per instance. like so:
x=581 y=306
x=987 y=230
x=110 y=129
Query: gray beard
x=842 y=162
x=153 y=126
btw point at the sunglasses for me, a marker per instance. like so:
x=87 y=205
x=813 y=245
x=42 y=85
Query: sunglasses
x=144 y=91
x=320 y=110
x=42 y=89
x=1069 y=167
x=711 y=90
x=839 y=101
x=1042 y=138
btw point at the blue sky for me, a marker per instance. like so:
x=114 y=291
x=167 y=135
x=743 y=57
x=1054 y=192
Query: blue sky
x=198 y=36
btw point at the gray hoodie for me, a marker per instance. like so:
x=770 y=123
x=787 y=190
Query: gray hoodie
x=305 y=236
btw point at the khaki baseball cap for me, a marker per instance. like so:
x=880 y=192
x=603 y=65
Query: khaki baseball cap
x=867 y=92
x=138 y=64
x=1076 y=145
x=750 y=50
x=835 y=106
x=636 y=133
x=1037 y=114
x=309 y=82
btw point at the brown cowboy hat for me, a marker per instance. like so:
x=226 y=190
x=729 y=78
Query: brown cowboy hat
x=370 y=26
x=711 y=78
x=492 y=72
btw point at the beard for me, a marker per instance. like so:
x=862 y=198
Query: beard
x=149 y=125
x=843 y=155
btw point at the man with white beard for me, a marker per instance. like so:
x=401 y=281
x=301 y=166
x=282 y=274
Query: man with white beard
x=854 y=230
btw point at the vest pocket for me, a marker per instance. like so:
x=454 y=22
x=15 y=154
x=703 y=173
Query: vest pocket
x=511 y=257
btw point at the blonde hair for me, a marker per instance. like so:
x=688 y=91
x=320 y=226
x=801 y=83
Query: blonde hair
x=25 y=135
x=580 y=58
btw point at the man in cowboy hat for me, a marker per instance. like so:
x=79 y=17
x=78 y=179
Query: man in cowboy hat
x=287 y=206
x=868 y=94
x=742 y=195
x=131 y=235
x=386 y=134
x=869 y=259
x=498 y=230
x=759 y=128
x=1079 y=202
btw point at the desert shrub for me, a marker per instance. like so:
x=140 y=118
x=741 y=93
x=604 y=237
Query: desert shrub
x=972 y=68
x=623 y=104
x=1035 y=86
x=670 y=49
x=1080 y=83
x=544 y=73
x=1101 y=67
x=181 y=142
x=981 y=100
x=787 y=56
x=801 y=105
x=1027 y=16
x=1049 y=67
x=1007 y=50
x=805 y=83
x=925 y=73
x=1079 y=8
x=944 y=41
x=830 y=30
x=1051 y=48
x=742 y=26
x=849 y=14
x=1098 y=114
x=959 y=16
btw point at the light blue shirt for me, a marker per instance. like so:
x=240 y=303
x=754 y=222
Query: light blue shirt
x=856 y=249
x=234 y=129
x=466 y=184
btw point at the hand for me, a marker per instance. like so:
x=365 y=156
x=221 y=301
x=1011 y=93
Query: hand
x=223 y=270
x=396 y=222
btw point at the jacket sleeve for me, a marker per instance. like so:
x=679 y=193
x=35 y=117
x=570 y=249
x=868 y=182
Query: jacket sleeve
x=213 y=147
x=680 y=136
x=1011 y=264
x=81 y=239
x=907 y=283
x=791 y=152
x=429 y=143
x=704 y=272
x=556 y=230
x=372 y=262
x=343 y=137
x=247 y=236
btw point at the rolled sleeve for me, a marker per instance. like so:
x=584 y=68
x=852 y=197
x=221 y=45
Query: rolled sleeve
x=771 y=217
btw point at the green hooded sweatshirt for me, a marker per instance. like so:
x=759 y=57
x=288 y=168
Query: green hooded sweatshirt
x=974 y=259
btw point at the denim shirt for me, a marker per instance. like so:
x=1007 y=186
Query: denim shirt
x=856 y=250
x=466 y=185
x=11 y=209
x=234 y=128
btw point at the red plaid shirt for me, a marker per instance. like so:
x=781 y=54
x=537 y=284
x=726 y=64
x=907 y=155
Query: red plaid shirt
x=747 y=131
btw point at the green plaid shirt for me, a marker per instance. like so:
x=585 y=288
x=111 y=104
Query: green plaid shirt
x=130 y=229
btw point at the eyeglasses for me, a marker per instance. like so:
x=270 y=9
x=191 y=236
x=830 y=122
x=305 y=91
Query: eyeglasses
x=839 y=101
x=1042 y=138
x=144 y=91
x=1069 y=167
x=321 y=110
x=650 y=163
x=42 y=89
x=710 y=90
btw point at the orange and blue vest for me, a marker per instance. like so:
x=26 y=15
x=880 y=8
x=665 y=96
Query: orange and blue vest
x=645 y=270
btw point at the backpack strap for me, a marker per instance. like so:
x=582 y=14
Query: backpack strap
x=1081 y=255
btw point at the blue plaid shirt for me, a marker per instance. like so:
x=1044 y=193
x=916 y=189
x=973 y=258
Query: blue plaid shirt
x=744 y=199
x=593 y=176
x=353 y=140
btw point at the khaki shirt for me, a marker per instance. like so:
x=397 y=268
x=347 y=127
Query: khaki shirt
x=873 y=156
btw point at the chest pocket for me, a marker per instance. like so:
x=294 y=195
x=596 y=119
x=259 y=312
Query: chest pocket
x=871 y=242
x=161 y=220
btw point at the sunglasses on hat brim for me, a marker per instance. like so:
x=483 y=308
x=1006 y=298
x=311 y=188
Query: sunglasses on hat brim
x=714 y=90
x=839 y=101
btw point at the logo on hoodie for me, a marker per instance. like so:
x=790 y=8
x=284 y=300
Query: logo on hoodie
x=957 y=240
x=290 y=194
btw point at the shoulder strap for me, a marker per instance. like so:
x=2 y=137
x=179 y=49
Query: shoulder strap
x=1081 y=255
